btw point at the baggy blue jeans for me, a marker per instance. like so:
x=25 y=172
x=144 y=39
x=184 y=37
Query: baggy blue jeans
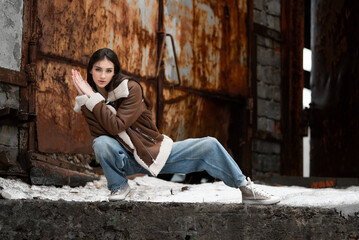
x=187 y=156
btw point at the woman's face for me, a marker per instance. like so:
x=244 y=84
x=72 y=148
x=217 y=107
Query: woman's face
x=102 y=72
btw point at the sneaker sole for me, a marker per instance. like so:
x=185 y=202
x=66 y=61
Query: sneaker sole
x=118 y=198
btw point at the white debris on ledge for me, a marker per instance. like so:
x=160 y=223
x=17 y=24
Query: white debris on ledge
x=146 y=188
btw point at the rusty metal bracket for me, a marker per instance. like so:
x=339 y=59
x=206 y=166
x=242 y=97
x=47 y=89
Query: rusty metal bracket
x=174 y=53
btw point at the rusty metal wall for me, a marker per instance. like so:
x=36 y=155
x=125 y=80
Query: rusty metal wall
x=211 y=42
x=69 y=32
x=335 y=88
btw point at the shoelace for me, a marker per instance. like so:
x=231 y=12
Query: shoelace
x=256 y=190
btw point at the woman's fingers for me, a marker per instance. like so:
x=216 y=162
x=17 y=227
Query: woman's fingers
x=76 y=82
x=82 y=85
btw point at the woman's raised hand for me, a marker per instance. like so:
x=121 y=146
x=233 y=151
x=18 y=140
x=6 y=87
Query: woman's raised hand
x=82 y=86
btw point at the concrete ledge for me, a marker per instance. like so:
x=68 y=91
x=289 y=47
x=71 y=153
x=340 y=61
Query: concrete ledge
x=39 y=219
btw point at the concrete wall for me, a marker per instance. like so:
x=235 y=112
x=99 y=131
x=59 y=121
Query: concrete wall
x=37 y=219
x=266 y=144
x=11 y=34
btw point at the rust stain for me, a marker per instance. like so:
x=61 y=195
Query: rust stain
x=70 y=31
x=75 y=29
x=211 y=42
x=323 y=184
x=210 y=39
x=193 y=116
x=59 y=128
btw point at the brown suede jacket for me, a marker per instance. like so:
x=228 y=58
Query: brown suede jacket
x=125 y=116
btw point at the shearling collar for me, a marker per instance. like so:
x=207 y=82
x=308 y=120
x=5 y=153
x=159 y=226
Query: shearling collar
x=121 y=91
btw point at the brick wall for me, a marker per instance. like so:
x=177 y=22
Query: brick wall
x=266 y=142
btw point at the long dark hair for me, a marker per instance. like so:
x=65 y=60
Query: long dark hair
x=101 y=54
x=106 y=53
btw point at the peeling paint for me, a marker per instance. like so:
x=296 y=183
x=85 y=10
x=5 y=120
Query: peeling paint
x=211 y=42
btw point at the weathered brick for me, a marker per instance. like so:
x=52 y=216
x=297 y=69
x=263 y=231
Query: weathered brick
x=268 y=109
x=258 y=4
x=268 y=56
x=272 y=7
x=273 y=22
x=266 y=19
x=268 y=92
x=263 y=91
x=265 y=124
x=262 y=146
x=276 y=93
x=268 y=74
x=266 y=162
x=260 y=17
x=265 y=42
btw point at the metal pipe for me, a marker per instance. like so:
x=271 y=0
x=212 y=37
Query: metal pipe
x=175 y=56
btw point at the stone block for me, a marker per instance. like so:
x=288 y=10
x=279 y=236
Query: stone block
x=268 y=74
x=8 y=136
x=267 y=20
x=258 y=4
x=260 y=17
x=266 y=162
x=272 y=7
x=273 y=22
x=265 y=124
x=9 y=96
x=8 y=156
x=276 y=93
x=265 y=42
x=265 y=147
x=268 y=109
x=268 y=57
x=268 y=92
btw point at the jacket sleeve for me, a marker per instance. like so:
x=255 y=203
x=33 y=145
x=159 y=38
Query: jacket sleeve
x=95 y=129
x=127 y=113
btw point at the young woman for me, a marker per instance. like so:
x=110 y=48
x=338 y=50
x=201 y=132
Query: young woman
x=127 y=141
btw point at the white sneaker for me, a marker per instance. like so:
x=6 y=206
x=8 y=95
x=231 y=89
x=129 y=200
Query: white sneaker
x=253 y=195
x=119 y=194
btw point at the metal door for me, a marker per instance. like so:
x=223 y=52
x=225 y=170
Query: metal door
x=206 y=98
x=335 y=89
